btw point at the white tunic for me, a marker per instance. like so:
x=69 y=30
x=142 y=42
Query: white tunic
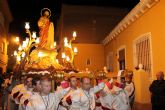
x=97 y=100
x=74 y=95
x=117 y=101
x=18 y=88
x=87 y=100
x=84 y=100
x=24 y=92
x=49 y=102
x=107 y=100
x=129 y=88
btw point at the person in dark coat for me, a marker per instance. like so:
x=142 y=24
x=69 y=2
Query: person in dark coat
x=157 y=89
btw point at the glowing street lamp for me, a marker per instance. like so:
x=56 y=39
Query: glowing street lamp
x=55 y=44
x=24 y=45
x=23 y=54
x=40 y=54
x=17 y=39
x=27 y=40
x=38 y=40
x=18 y=58
x=34 y=35
x=67 y=58
x=57 y=60
x=27 y=26
x=63 y=55
x=75 y=50
x=74 y=34
x=20 y=48
x=65 y=41
x=15 y=53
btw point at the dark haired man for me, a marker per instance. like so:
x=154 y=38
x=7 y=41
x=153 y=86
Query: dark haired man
x=83 y=98
x=66 y=101
x=45 y=100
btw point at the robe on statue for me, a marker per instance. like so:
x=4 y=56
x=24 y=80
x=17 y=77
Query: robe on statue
x=46 y=33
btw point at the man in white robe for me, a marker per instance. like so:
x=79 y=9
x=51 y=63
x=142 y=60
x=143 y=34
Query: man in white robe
x=84 y=98
x=21 y=89
x=130 y=88
x=69 y=100
x=98 y=103
x=46 y=100
x=64 y=84
x=115 y=98
x=102 y=96
x=17 y=85
x=28 y=94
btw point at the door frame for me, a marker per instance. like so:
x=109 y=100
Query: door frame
x=121 y=48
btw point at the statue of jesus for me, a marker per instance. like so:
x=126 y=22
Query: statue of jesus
x=46 y=30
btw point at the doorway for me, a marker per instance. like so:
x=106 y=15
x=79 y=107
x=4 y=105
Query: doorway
x=121 y=59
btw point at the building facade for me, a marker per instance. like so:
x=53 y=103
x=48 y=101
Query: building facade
x=5 y=19
x=139 y=39
x=91 y=27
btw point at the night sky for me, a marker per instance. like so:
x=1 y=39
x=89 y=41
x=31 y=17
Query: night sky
x=29 y=10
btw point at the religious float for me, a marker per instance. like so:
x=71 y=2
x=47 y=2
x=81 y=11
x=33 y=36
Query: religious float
x=38 y=55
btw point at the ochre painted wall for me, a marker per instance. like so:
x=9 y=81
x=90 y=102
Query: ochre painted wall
x=152 y=21
x=94 y=52
x=5 y=19
x=3 y=55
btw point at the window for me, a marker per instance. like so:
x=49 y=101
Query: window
x=88 y=62
x=109 y=61
x=121 y=59
x=142 y=52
